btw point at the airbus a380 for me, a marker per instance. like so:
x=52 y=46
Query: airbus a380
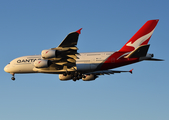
x=71 y=65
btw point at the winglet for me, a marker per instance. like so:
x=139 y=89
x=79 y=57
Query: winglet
x=131 y=71
x=79 y=31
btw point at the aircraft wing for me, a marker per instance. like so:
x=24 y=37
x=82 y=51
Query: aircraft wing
x=66 y=52
x=71 y=39
x=107 y=72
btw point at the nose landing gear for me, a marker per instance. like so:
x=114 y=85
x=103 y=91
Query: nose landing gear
x=13 y=78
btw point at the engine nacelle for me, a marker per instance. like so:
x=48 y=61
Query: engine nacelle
x=64 y=78
x=89 y=77
x=42 y=63
x=49 y=53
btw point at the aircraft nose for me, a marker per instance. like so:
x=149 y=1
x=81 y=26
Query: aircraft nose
x=6 y=68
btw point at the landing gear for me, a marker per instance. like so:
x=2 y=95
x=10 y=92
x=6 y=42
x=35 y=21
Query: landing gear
x=66 y=73
x=74 y=75
x=77 y=76
x=74 y=79
x=13 y=78
x=83 y=76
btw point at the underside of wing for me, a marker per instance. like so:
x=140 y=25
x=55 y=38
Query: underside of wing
x=93 y=75
x=67 y=50
x=63 y=57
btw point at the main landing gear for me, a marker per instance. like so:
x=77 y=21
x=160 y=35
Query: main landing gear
x=77 y=76
x=13 y=78
x=74 y=75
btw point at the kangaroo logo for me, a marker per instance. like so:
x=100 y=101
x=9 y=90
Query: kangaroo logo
x=140 y=40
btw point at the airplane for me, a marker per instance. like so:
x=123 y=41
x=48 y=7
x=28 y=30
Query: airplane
x=71 y=65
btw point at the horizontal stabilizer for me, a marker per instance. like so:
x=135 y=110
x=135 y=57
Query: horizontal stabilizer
x=141 y=51
x=155 y=59
x=108 y=72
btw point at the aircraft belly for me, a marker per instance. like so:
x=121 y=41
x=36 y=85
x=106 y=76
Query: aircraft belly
x=86 y=67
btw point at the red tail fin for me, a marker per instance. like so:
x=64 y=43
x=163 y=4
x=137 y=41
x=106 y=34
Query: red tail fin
x=141 y=37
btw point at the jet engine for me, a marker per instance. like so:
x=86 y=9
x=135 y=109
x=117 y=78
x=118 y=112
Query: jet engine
x=89 y=77
x=42 y=63
x=49 y=53
x=64 y=78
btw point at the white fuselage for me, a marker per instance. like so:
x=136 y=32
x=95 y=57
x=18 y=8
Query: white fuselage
x=85 y=62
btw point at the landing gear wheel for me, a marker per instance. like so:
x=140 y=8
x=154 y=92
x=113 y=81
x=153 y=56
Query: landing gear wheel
x=74 y=79
x=83 y=76
x=13 y=78
x=64 y=74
